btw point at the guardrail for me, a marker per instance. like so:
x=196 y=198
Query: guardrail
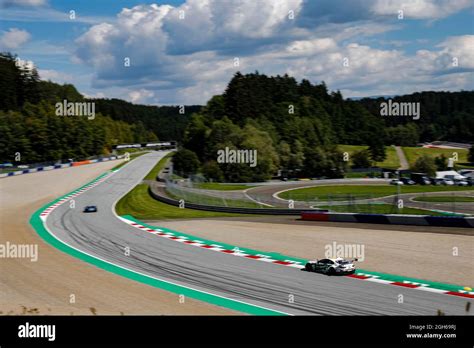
x=58 y=166
x=391 y=219
x=222 y=209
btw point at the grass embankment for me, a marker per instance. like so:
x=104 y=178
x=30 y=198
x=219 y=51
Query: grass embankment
x=379 y=209
x=343 y=192
x=142 y=206
x=413 y=153
x=391 y=161
x=444 y=199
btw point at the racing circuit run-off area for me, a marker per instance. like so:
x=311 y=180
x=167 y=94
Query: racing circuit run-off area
x=232 y=169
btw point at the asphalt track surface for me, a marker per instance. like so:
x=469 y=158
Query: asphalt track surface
x=266 y=194
x=266 y=285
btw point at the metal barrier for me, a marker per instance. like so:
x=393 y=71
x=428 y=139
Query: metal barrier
x=459 y=202
x=160 y=196
x=389 y=219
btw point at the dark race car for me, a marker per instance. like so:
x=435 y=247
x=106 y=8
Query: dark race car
x=331 y=266
x=90 y=209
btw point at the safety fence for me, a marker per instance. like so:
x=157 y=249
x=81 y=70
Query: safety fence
x=459 y=201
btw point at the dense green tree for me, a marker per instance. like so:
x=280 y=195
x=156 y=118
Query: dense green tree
x=443 y=115
x=377 y=149
x=292 y=125
x=30 y=127
x=470 y=156
x=167 y=122
x=284 y=152
x=212 y=171
x=361 y=159
x=425 y=164
x=195 y=135
x=441 y=162
x=185 y=162
x=403 y=135
x=324 y=162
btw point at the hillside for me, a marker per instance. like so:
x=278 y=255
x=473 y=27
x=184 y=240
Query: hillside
x=32 y=132
x=294 y=126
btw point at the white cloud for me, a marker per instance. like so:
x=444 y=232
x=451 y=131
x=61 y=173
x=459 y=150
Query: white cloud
x=190 y=59
x=55 y=76
x=214 y=19
x=13 y=39
x=459 y=49
x=140 y=96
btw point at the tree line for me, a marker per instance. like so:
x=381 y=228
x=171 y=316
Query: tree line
x=294 y=126
x=30 y=128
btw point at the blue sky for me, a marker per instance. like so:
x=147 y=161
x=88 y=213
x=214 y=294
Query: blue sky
x=361 y=47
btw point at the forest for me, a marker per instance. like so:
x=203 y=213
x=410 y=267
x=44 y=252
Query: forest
x=295 y=126
x=29 y=126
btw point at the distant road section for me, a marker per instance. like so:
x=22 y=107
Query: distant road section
x=403 y=160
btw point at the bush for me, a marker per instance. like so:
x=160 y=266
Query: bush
x=425 y=164
x=212 y=171
x=185 y=162
x=361 y=159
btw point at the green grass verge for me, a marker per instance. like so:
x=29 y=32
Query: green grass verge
x=222 y=187
x=444 y=199
x=342 y=192
x=391 y=161
x=378 y=209
x=413 y=153
x=141 y=205
x=158 y=167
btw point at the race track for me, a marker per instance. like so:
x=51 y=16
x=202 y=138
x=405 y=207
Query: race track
x=266 y=285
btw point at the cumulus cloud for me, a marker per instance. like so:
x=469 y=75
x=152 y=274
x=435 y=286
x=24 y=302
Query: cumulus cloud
x=216 y=23
x=13 y=38
x=188 y=53
x=55 y=76
x=457 y=51
x=142 y=96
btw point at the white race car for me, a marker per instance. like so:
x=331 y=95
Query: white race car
x=331 y=266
